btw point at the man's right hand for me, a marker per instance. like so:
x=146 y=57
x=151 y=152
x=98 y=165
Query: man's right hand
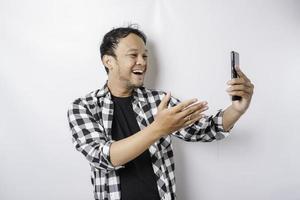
x=168 y=120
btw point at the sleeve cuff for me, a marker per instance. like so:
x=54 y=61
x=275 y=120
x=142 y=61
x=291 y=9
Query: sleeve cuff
x=106 y=156
x=218 y=121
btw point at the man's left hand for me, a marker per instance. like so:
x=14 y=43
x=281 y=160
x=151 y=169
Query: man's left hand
x=242 y=87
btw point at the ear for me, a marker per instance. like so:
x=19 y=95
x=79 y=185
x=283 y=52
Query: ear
x=107 y=61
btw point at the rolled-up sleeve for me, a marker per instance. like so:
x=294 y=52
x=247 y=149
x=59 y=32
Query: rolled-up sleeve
x=89 y=137
x=207 y=129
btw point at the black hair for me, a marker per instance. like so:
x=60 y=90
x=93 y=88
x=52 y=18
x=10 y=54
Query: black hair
x=112 y=39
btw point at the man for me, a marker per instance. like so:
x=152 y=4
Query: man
x=124 y=129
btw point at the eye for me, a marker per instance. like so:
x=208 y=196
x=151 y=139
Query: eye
x=145 y=56
x=133 y=55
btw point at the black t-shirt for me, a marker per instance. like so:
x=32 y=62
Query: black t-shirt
x=137 y=178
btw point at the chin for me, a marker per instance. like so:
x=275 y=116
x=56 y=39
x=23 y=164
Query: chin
x=137 y=85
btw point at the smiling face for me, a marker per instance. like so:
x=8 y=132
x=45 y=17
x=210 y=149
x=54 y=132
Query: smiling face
x=127 y=69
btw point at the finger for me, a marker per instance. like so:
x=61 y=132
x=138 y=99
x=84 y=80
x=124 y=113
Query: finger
x=193 y=115
x=193 y=105
x=179 y=107
x=193 y=119
x=245 y=88
x=236 y=81
x=164 y=102
x=241 y=94
x=241 y=74
x=199 y=107
x=240 y=81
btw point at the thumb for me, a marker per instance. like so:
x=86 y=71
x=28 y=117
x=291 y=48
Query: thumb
x=164 y=102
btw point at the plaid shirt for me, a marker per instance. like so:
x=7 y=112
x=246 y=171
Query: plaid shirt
x=90 y=119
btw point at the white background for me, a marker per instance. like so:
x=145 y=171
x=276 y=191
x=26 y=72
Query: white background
x=49 y=55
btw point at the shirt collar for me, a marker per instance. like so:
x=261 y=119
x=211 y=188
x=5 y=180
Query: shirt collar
x=138 y=93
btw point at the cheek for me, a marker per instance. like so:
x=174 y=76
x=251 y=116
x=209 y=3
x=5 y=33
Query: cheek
x=130 y=62
x=126 y=68
x=128 y=65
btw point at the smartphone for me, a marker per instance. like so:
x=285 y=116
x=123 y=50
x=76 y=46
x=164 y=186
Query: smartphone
x=235 y=63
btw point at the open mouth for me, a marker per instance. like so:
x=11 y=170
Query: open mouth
x=138 y=72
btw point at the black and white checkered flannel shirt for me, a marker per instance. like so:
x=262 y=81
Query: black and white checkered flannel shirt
x=90 y=119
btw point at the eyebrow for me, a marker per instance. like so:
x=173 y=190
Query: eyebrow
x=146 y=50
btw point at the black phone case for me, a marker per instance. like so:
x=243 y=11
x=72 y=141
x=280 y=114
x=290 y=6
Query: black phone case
x=234 y=74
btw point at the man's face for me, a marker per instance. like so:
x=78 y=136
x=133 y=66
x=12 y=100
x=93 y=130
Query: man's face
x=129 y=67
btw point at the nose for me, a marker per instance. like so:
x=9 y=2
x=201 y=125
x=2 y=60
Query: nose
x=141 y=60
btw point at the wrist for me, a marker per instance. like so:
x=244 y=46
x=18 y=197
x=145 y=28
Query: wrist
x=155 y=130
x=236 y=111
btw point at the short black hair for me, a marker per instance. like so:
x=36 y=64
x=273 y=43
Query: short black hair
x=112 y=39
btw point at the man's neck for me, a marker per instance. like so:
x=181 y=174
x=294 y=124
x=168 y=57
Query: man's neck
x=118 y=91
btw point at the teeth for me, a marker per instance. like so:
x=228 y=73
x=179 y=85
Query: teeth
x=138 y=71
